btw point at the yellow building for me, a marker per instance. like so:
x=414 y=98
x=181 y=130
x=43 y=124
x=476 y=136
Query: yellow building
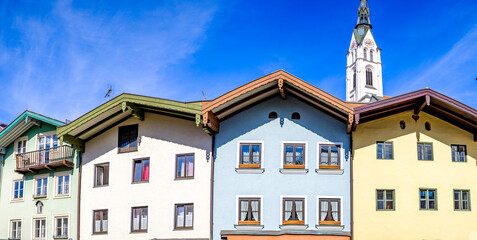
x=415 y=169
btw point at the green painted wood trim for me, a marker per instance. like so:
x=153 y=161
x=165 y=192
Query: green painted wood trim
x=76 y=143
x=157 y=103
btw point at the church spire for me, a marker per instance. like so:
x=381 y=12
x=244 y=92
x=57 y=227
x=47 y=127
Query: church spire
x=363 y=15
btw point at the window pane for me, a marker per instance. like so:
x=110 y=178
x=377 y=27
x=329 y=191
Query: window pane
x=299 y=155
x=180 y=216
x=97 y=222
x=189 y=215
x=181 y=166
x=289 y=155
x=145 y=171
x=432 y=204
x=246 y=154
x=136 y=213
x=105 y=220
x=99 y=176
x=67 y=184
x=244 y=210
x=334 y=211
x=334 y=156
x=256 y=154
x=380 y=194
x=137 y=171
x=255 y=213
x=324 y=155
x=389 y=150
x=420 y=151
x=380 y=149
x=60 y=185
x=144 y=217
x=190 y=166
x=423 y=204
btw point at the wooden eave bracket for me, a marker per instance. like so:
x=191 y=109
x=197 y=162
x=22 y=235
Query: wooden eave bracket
x=281 y=88
x=350 y=123
x=76 y=143
x=198 y=119
x=427 y=102
x=211 y=121
x=136 y=111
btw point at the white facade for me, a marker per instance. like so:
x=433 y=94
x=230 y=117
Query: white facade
x=363 y=57
x=160 y=139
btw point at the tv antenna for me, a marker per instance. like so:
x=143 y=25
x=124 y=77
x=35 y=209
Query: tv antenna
x=108 y=93
x=205 y=95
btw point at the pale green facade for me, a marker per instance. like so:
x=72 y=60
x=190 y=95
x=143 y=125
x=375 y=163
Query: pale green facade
x=55 y=206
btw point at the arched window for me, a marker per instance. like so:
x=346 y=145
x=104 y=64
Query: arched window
x=295 y=115
x=273 y=115
x=364 y=54
x=369 y=77
x=354 y=79
x=371 y=55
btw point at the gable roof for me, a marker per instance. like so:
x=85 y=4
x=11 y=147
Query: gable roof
x=119 y=108
x=22 y=123
x=279 y=82
x=426 y=100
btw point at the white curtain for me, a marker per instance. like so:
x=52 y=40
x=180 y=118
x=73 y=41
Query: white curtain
x=144 y=219
x=245 y=155
x=43 y=228
x=324 y=155
x=180 y=216
x=299 y=210
x=189 y=216
x=334 y=211
x=256 y=154
x=334 y=156
x=243 y=210
x=255 y=211
x=136 y=219
x=65 y=226
x=288 y=209
x=97 y=222
x=324 y=210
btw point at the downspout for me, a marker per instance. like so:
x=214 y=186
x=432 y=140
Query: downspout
x=212 y=158
x=351 y=181
x=80 y=154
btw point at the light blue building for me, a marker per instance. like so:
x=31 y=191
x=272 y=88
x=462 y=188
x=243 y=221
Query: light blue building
x=282 y=161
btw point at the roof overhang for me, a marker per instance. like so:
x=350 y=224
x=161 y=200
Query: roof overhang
x=120 y=108
x=426 y=100
x=21 y=124
x=278 y=83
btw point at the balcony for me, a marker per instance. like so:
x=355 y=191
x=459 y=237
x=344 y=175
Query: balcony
x=50 y=159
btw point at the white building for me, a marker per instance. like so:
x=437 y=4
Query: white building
x=146 y=170
x=364 y=79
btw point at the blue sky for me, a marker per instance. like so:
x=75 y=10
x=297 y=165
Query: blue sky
x=57 y=58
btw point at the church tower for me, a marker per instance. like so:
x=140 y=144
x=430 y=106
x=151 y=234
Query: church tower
x=364 y=80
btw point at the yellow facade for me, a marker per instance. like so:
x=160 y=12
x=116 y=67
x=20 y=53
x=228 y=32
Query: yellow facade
x=406 y=175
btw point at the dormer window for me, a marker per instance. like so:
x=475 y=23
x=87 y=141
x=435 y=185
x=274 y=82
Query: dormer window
x=295 y=115
x=272 y=115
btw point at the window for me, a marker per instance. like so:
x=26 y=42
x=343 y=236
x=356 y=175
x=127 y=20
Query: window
x=45 y=142
x=127 y=138
x=385 y=150
x=293 y=211
x=294 y=155
x=185 y=166
x=18 y=189
x=250 y=155
x=295 y=115
x=101 y=175
x=184 y=216
x=41 y=187
x=15 y=229
x=458 y=153
x=371 y=55
x=272 y=115
x=39 y=228
x=461 y=200
x=61 y=227
x=330 y=211
x=141 y=170
x=100 y=221
x=427 y=199
x=364 y=54
x=385 y=199
x=424 y=151
x=63 y=185
x=21 y=146
x=329 y=156
x=249 y=211
x=354 y=79
x=139 y=219
x=369 y=77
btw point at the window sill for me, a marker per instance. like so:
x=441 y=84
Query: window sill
x=294 y=170
x=127 y=151
x=330 y=171
x=60 y=237
x=249 y=166
x=294 y=226
x=138 y=231
x=40 y=196
x=62 y=196
x=183 y=229
x=370 y=86
x=139 y=182
x=17 y=200
x=183 y=178
x=101 y=186
x=250 y=170
x=246 y=226
x=331 y=228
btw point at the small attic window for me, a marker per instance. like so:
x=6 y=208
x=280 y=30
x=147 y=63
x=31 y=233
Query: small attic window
x=272 y=115
x=295 y=115
x=427 y=125
x=402 y=124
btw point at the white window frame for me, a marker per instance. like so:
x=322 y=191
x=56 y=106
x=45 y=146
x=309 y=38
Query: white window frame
x=13 y=199
x=57 y=178
x=318 y=209
x=10 y=221
x=33 y=226
x=305 y=207
x=330 y=171
x=54 y=224
x=45 y=134
x=24 y=138
x=237 y=202
x=262 y=159
x=282 y=152
x=35 y=180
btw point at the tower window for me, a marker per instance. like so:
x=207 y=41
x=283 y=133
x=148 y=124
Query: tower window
x=369 y=77
x=272 y=115
x=354 y=79
x=364 y=54
x=371 y=55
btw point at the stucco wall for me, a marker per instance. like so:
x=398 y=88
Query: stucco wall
x=406 y=175
x=26 y=209
x=161 y=138
x=253 y=124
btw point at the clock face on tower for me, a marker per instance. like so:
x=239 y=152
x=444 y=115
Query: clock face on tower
x=369 y=43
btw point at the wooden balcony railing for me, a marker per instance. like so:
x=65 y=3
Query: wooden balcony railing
x=50 y=158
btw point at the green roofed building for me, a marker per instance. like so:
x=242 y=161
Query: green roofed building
x=38 y=180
